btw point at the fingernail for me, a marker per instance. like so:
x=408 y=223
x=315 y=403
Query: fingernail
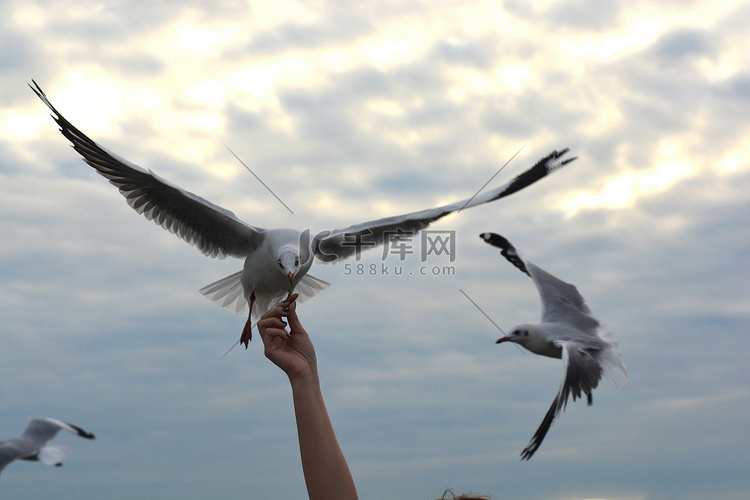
x=285 y=310
x=288 y=335
x=286 y=300
x=283 y=322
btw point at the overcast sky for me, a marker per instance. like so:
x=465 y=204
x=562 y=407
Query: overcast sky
x=351 y=111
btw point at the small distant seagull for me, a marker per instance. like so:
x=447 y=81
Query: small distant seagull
x=568 y=331
x=276 y=260
x=32 y=444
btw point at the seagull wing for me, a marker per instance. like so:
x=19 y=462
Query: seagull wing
x=561 y=302
x=15 y=448
x=507 y=250
x=51 y=422
x=32 y=444
x=338 y=244
x=215 y=231
x=40 y=431
x=581 y=374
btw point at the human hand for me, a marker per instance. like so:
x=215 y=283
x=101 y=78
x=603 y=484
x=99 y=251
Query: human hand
x=292 y=350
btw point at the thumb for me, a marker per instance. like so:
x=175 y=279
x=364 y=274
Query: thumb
x=294 y=322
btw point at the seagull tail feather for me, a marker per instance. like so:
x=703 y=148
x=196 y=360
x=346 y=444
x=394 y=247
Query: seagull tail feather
x=309 y=286
x=227 y=293
x=54 y=455
x=611 y=361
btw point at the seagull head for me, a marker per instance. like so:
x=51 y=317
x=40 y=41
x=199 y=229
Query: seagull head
x=289 y=263
x=519 y=335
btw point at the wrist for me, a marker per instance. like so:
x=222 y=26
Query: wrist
x=306 y=377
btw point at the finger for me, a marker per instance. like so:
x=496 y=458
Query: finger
x=279 y=310
x=273 y=333
x=275 y=337
x=287 y=304
x=291 y=298
x=294 y=323
x=273 y=312
x=270 y=323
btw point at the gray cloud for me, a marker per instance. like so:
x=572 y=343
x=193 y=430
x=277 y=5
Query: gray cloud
x=104 y=327
x=585 y=14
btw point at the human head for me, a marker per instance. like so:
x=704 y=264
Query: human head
x=449 y=495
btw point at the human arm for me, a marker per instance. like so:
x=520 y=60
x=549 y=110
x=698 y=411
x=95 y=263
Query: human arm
x=327 y=474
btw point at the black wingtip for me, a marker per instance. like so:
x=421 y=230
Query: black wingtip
x=56 y=114
x=566 y=161
x=529 y=451
x=496 y=240
x=541 y=169
x=37 y=90
x=506 y=249
x=558 y=154
x=81 y=432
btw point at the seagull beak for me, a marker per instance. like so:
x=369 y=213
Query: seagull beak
x=291 y=277
x=503 y=339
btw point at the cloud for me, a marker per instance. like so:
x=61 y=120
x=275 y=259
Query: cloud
x=351 y=112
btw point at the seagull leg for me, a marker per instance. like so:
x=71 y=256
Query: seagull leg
x=247 y=332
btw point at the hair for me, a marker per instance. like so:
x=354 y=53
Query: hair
x=449 y=495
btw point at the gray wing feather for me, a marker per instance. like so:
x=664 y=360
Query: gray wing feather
x=331 y=246
x=15 y=448
x=215 y=231
x=561 y=301
x=581 y=375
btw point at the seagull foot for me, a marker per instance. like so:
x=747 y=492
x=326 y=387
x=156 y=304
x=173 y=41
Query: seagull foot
x=247 y=333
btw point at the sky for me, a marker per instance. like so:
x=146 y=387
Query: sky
x=352 y=111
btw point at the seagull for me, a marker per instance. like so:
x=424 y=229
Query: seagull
x=276 y=260
x=568 y=331
x=32 y=444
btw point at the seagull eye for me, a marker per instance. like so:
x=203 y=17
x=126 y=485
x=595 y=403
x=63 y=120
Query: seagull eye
x=296 y=261
x=525 y=333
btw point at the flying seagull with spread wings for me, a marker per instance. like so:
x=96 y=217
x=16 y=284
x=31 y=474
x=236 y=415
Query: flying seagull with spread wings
x=568 y=331
x=276 y=260
x=32 y=444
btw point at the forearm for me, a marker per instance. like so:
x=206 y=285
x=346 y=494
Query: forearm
x=327 y=474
